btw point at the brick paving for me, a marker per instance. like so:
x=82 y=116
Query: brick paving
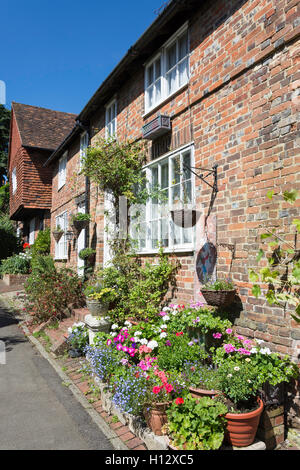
x=74 y=369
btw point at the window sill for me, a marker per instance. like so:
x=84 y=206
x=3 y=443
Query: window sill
x=61 y=260
x=164 y=101
x=189 y=250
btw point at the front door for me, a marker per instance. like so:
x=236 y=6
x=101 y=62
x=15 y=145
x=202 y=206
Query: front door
x=80 y=244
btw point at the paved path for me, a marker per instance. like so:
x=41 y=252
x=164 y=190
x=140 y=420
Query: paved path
x=37 y=412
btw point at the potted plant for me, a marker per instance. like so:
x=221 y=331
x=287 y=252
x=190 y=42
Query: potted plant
x=240 y=383
x=98 y=299
x=159 y=398
x=57 y=233
x=221 y=292
x=87 y=254
x=202 y=380
x=79 y=221
x=196 y=424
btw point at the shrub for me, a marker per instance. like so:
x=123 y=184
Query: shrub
x=16 y=264
x=50 y=291
x=9 y=242
x=42 y=242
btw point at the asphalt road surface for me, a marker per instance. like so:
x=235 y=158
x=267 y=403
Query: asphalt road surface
x=37 y=412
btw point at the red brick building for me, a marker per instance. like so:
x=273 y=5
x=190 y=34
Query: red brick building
x=225 y=75
x=35 y=132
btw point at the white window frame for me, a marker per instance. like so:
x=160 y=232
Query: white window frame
x=84 y=142
x=61 y=247
x=111 y=119
x=162 y=54
x=14 y=180
x=172 y=247
x=62 y=170
x=31 y=236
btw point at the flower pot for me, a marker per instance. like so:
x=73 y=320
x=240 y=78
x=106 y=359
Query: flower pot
x=218 y=298
x=57 y=234
x=96 y=308
x=241 y=428
x=201 y=392
x=185 y=217
x=156 y=417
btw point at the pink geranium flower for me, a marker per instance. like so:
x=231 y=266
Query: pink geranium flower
x=229 y=348
x=217 y=335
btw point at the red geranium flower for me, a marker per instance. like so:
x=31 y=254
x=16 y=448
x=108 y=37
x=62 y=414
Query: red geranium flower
x=26 y=245
x=179 y=401
x=180 y=333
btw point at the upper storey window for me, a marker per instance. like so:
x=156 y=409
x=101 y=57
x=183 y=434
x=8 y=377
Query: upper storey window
x=14 y=180
x=62 y=169
x=111 y=119
x=168 y=71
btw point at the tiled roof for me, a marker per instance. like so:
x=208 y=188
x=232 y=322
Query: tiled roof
x=41 y=127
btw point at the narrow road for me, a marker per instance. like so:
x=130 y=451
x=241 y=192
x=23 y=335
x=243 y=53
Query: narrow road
x=37 y=412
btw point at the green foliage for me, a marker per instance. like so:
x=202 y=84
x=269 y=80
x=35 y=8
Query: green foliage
x=80 y=216
x=86 y=252
x=9 y=243
x=78 y=336
x=50 y=291
x=197 y=425
x=282 y=272
x=239 y=381
x=219 y=284
x=178 y=350
x=199 y=375
x=42 y=243
x=115 y=167
x=4 y=198
x=42 y=264
x=16 y=264
x=140 y=289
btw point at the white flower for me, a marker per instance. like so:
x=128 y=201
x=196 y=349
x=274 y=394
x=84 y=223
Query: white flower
x=152 y=344
x=259 y=341
x=114 y=326
x=166 y=317
x=144 y=341
x=236 y=368
x=265 y=351
x=69 y=330
x=163 y=327
x=163 y=335
x=229 y=375
x=166 y=309
x=113 y=334
x=137 y=333
x=128 y=323
x=253 y=350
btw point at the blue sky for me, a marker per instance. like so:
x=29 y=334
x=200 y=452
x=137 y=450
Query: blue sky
x=55 y=54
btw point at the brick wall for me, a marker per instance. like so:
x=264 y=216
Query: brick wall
x=240 y=110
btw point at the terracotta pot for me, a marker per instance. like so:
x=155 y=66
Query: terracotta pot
x=218 y=298
x=241 y=428
x=201 y=392
x=156 y=417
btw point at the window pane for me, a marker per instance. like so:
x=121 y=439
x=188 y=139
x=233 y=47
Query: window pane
x=164 y=227
x=176 y=234
x=186 y=160
x=150 y=75
x=175 y=195
x=157 y=91
x=183 y=72
x=171 y=80
x=176 y=170
x=154 y=234
x=150 y=96
x=187 y=192
x=157 y=69
x=164 y=175
x=171 y=56
x=187 y=234
x=183 y=46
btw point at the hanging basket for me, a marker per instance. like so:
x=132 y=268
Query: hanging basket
x=57 y=234
x=218 y=298
x=79 y=225
x=185 y=217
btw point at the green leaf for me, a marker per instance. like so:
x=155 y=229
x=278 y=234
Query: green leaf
x=290 y=196
x=297 y=223
x=265 y=235
x=256 y=290
x=260 y=255
x=270 y=194
x=253 y=276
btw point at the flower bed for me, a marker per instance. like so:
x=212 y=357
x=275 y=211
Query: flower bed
x=149 y=369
